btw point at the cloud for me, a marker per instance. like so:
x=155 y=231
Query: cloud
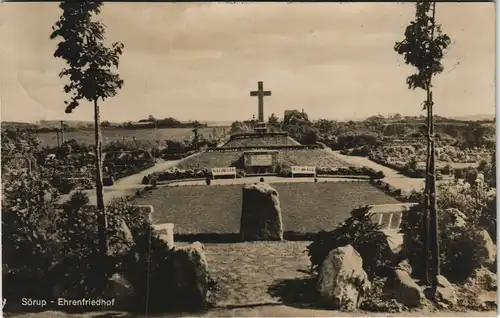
x=201 y=59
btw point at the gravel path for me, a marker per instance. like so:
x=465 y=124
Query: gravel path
x=392 y=177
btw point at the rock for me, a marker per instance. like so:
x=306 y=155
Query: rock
x=484 y=279
x=454 y=218
x=405 y=266
x=402 y=287
x=121 y=292
x=166 y=231
x=261 y=213
x=126 y=233
x=191 y=276
x=125 y=237
x=342 y=282
x=487 y=249
x=446 y=292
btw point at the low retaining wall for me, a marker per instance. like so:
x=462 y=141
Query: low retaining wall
x=286 y=147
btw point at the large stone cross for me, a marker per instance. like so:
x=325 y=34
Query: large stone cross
x=260 y=92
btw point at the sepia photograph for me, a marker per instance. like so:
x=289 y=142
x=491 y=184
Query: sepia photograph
x=248 y=159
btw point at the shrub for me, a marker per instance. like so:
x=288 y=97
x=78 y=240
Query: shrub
x=363 y=234
x=488 y=218
x=446 y=169
x=379 y=175
x=108 y=181
x=458 y=247
x=29 y=246
x=310 y=137
x=44 y=247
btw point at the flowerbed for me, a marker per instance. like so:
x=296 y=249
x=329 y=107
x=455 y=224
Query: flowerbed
x=410 y=159
x=72 y=165
x=176 y=174
x=344 y=171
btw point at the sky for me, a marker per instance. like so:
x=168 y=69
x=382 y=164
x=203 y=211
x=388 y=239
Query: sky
x=200 y=60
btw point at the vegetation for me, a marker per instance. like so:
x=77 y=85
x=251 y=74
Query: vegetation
x=424 y=47
x=90 y=71
x=360 y=231
x=142 y=137
x=462 y=212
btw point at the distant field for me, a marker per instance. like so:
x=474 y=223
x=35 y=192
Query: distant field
x=87 y=136
x=311 y=157
x=306 y=207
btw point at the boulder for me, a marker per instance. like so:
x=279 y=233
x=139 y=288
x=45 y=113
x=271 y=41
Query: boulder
x=191 y=277
x=484 y=279
x=487 y=249
x=445 y=292
x=342 y=282
x=124 y=238
x=120 y=291
x=261 y=214
x=402 y=287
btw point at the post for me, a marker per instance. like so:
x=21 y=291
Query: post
x=261 y=101
x=390 y=220
x=425 y=220
x=101 y=212
x=433 y=208
x=62 y=132
x=432 y=176
x=57 y=133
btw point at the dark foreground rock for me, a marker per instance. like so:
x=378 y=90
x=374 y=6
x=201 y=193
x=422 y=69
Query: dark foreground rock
x=191 y=277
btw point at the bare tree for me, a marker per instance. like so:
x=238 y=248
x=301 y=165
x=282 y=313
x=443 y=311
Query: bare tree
x=424 y=47
x=90 y=65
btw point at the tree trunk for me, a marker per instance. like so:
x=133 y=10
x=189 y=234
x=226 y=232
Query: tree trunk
x=432 y=190
x=433 y=208
x=101 y=212
x=425 y=221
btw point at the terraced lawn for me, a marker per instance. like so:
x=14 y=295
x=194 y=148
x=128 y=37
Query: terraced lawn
x=211 y=160
x=312 y=157
x=306 y=207
x=302 y=157
x=262 y=141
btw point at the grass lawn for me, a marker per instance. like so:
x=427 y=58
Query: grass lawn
x=301 y=157
x=306 y=207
